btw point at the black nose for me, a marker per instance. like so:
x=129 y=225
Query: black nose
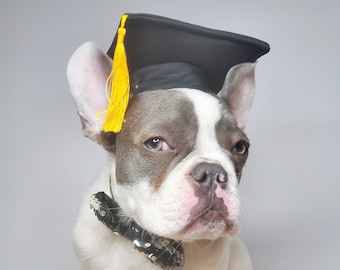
x=207 y=174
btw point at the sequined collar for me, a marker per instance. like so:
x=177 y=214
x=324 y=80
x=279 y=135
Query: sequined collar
x=165 y=252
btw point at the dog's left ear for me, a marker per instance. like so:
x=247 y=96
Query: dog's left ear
x=238 y=91
x=87 y=72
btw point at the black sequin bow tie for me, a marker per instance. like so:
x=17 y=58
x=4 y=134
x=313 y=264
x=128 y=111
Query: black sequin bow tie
x=165 y=252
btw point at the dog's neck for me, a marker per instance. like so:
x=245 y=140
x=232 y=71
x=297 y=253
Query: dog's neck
x=165 y=252
x=202 y=254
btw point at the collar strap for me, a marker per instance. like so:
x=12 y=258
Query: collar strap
x=165 y=252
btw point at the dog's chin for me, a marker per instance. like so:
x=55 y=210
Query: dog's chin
x=209 y=226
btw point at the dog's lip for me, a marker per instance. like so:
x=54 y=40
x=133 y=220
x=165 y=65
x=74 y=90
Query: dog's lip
x=209 y=210
x=207 y=217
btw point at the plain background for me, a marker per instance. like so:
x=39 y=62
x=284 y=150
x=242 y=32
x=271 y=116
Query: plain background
x=291 y=182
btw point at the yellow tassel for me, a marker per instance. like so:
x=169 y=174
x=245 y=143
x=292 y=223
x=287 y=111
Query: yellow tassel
x=118 y=96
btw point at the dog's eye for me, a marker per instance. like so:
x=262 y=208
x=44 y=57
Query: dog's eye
x=157 y=144
x=240 y=148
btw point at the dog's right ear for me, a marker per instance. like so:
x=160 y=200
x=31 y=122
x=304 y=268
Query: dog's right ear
x=87 y=72
x=238 y=91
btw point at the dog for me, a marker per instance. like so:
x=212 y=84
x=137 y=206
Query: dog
x=174 y=169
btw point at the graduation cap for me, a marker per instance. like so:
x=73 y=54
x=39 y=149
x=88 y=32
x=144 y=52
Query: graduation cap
x=151 y=52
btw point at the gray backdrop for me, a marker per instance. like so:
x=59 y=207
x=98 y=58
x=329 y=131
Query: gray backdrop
x=291 y=182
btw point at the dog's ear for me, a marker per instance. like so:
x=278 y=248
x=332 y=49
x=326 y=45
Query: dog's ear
x=238 y=91
x=87 y=72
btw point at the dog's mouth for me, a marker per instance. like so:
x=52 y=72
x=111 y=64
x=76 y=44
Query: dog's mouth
x=210 y=220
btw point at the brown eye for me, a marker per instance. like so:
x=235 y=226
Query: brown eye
x=240 y=148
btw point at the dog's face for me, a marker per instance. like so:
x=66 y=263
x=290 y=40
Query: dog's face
x=180 y=153
x=179 y=157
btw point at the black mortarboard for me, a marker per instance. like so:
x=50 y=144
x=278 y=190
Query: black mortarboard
x=163 y=53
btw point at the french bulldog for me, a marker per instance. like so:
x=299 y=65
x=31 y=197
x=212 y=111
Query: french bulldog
x=173 y=169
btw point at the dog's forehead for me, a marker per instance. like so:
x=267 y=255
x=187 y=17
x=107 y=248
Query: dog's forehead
x=164 y=102
x=168 y=109
x=179 y=110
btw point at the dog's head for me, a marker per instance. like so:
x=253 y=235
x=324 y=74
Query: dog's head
x=180 y=153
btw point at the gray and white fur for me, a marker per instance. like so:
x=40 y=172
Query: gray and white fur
x=175 y=167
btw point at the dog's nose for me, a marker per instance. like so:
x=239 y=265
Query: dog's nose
x=207 y=174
